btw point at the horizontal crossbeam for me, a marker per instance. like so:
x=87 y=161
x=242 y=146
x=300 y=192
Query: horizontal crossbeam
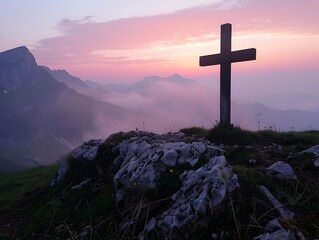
x=235 y=56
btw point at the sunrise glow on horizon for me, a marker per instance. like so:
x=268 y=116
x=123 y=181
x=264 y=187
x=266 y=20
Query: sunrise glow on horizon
x=158 y=40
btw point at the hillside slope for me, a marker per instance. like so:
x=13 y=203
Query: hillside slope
x=107 y=192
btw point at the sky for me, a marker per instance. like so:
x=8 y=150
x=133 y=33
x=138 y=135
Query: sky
x=123 y=41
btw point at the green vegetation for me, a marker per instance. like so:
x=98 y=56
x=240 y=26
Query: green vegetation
x=31 y=209
x=195 y=131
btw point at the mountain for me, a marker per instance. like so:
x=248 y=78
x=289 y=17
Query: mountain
x=76 y=83
x=185 y=101
x=42 y=119
x=192 y=104
x=259 y=117
x=188 y=103
x=141 y=86
x=64 y=77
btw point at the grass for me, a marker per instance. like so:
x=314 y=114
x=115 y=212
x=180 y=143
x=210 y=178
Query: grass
x=195 y=131
x=31 y=209
x=20 y=193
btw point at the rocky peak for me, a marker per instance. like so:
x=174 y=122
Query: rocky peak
x=16 y=55
x=18 y=68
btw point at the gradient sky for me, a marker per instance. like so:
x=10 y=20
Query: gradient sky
x=122 y=41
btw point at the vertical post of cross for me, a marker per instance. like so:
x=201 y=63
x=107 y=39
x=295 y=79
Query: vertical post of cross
x=225 y=74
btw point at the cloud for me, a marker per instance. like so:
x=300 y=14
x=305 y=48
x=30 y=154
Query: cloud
x=173 y=39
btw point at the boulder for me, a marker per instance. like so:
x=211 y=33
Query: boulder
x=275 y=231
x=88 y=150
x=281 y=170
x=315 y=151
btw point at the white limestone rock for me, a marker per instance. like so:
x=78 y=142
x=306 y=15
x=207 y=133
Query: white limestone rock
x=277 y=205
x=275 y=231
x=315 y=151
x=279 y=234
x=273 y=226
x=81 y=185
x=88 y=150
x=281 y=170
x=142 y=160
x=203 y=192
x=60 y=173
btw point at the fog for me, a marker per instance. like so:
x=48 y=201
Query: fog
x=165 y=105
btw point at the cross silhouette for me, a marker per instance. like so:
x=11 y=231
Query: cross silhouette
x=224 y=59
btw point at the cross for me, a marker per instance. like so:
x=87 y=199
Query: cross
x=224 y=59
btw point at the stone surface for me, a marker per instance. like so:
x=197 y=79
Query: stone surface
x=274 y=231
x=273 y=226
x=205 y=186
x=203 y=192
x=277 y=205
x=278 y=235
x=60 y=173
x=88 y=150
x=81 y=184
x=315 y=151
x=281 y=170
x=143 y=159
x=252 y=161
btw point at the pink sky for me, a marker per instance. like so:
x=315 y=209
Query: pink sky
x=285 y=34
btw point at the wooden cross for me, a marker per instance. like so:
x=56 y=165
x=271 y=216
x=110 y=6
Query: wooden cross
x=225 y=58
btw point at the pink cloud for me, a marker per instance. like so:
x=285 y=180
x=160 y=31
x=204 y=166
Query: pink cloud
x=79 y=40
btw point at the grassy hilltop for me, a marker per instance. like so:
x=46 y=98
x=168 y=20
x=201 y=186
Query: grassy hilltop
x=31 y=209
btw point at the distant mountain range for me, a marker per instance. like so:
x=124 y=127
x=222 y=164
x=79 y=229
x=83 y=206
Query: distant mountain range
x=191 y=104
x=46 y=113
x=42 y=119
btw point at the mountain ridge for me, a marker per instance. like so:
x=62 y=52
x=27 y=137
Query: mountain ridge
x=42 y=118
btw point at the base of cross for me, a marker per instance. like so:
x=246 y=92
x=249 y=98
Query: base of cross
x=229 y=134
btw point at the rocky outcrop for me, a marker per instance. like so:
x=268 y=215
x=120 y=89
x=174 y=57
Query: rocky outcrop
x=146 y=167
x=88 y=150
x=203 y=193
x=143 y=159
x=205 y=189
